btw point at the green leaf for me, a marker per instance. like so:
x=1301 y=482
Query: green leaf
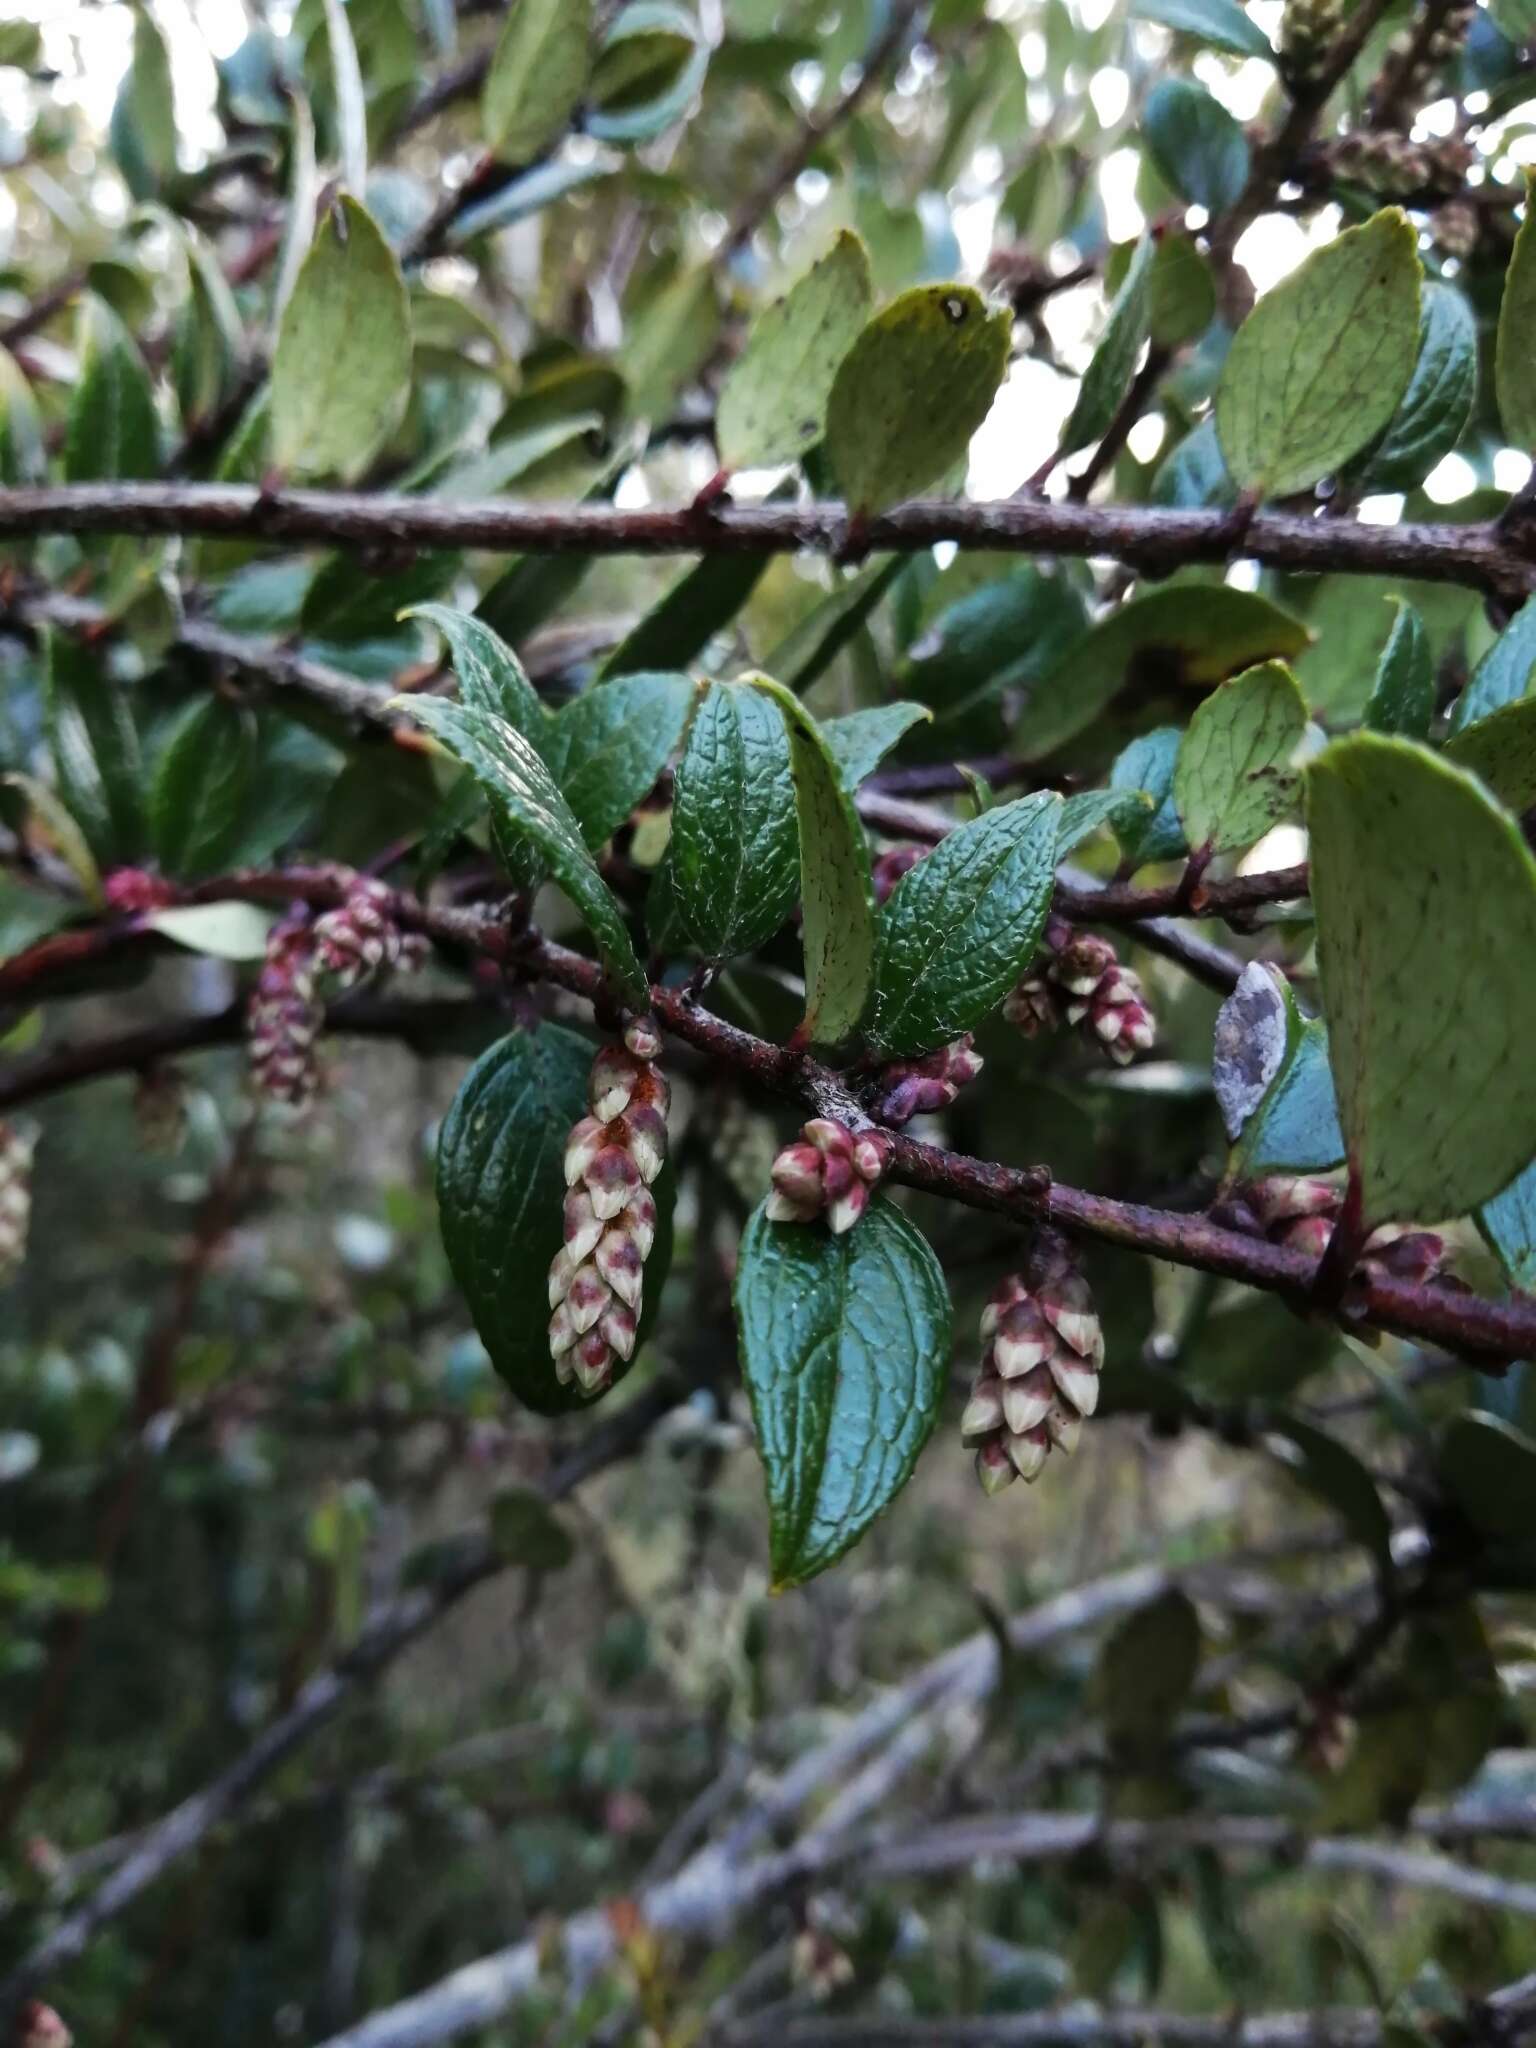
x=500 y=1187
x=811 y=648
x=1425 y=897
x=1437 y=405
x=649 y=70
x=961 y=926
x=112 y=430
x=845 y=1354
x=697 y=607
x=1504 y=674
x=1490 y=1469
x=607 y=748
x=1109 y=374
x=735 y=850
x=1509 y=1224
x=1194 y=477
x=1220 y=23
x=1007 y=634
x=1181 y=292
x=1180 y=637
x=1501 y=751
x=201 y=784
x=1332 y=1472
x=1233 y=778
x=1295 y=1129
x=1092 y=809
x=59 y=832
x=222 y=931
x=23 y=454
x=1146 y=1671
x=95 y=747
x=1321 y=363
x=836 y=893
x=773 y=403
x=28 y=912
x=1514 y=372
x=490 y=676
x=1403 y=699
x=527 y=1533
x=143 y=126
x=669 y=337
x=341 y=372
x=911 y=392
x=1200 y=150
x=1147 y=764
x=860 y=741
x=536 y=77
x=527 y=805
x=344 y=603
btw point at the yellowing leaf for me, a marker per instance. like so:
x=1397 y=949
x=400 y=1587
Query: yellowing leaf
x=912 y=390
x=536 y=76
x=1425 y=896
x=1319 y=365
x=341 y=373
x=773 y=404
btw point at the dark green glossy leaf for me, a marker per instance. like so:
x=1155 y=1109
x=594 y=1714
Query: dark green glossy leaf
x=1010 y=632
x=202 y=781
x=490 y=676
x=1515 y=359
x=1091 y=809
x=607 y=748
x=1220 y=23
x=1157 y=832
x=500 y=1187
x=860 y=741
x=1196 y=144
x=1434 y=410
x=1195 y=476
x=961 y=926
x=810 y=650
x=23 y=454
x=345 y=602
x=1490 y=1469
x=697 y=607
x=735 y=849
x=837 y=896
x=1423 y=891
x=1109 y=374
x=526 y=804
x=112 y=430
x=845 y=1354
x=95 y=747
x=1504 y=673
x=1403 y=699
x=143 y=126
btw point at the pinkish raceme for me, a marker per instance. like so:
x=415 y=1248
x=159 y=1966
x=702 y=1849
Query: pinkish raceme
x=827 y=1170
x=17 y=1144
x=887 y=868
x=1039 y=1372
x=1082 y=982
x=1300 y=1212
x=909 y=1088
x=360 y=936
x=596 y=1282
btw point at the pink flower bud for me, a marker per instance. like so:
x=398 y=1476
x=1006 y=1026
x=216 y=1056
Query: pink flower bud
x=642 y=1038
x=1003 y=1296
x=1031 y=1006
x=837 y=1175
x=592 y=1364
x=1310 y=1235
x=612 y=1177
x=1284 y=1197
x=796 y=1175
x=1082 y=963
x=782 y=1208
x=1066 y=1302
x=617 y=1328
x=562 y=1270
x=846 y=1209
x=612 y=1083
x=642 y=1130
x=130 y=890
x=994 y=1467
x=1077 y=1380
x=586 y=1298
x=586 y=1141
x=830 y=1139
x=583 y=1226
x=1412 y=1255
x=619 y=1260
x=1065 y=1428
x=562 y=1330
x=984 y=1410
x=638 y=1217
x=1028 y=1401
x=1028 y=1453
x=1024 y=1340
x=872 y=1154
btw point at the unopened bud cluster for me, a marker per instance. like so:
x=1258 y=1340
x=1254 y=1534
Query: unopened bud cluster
x=1082 y=982
x=918 y=1087
x=1308 y=30
x=1039 y=1372
x=16 y=1148
x=305 y=956
x=1392 y=166
x=827 y=1171
x=596 y=1281
x=1301 y=1213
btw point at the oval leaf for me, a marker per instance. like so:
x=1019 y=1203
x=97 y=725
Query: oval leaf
x=202 y=780
x=1515 y=356
x=1320 y=364
x=1425 y=897
x=1501 y=751
x=536 y=76
x=1403 y=699
x=1196 y=144
x=735 y=851
x=1108 y=375
x=912 y=390
x=1436 y=406
x=1504 y=673
x=845 y=1354
x=112 y=430
x=1233 y=778
x=341 y=372
x=773 y=404
x=607 y=748
x=837 y=895
x=1220 y=23
x=963 y=924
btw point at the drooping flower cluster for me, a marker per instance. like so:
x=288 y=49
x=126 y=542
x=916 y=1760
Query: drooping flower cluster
x=611 y=1158
x=887 y=868
x=910 y=1088
x=1393 y=166
x=827 y=1170
x=306 y=957
x=1082 y=982
x=1039 y=1372
x=1300 y=1212
x=1308 y=30
x=17 y=1144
